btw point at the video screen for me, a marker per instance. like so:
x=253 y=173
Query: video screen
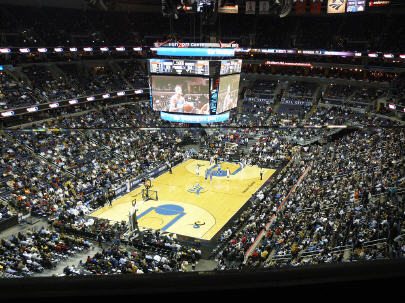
x=180 y=94
x=228 y=93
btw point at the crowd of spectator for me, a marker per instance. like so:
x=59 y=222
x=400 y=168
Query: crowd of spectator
x=117 y=259
x=34 y=84
x=346 y=209
x=25 y=254
x=5 y=211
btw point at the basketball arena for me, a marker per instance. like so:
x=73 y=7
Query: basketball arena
x=155 y=148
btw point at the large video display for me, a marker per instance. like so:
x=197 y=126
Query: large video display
x=180 y=94
x=228 y=93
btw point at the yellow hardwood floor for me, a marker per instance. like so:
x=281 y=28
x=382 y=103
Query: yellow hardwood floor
x=188 y=204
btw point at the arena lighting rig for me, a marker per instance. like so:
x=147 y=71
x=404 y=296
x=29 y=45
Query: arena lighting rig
x=194 y=82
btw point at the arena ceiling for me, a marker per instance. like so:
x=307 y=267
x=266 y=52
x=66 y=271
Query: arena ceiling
x=396 y=6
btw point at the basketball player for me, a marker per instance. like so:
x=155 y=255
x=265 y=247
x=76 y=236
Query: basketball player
x=261 y=173
x=169 y=166
x=128 y=185
x=228 y=101
x=228 y=173
x=197 y=170
x=177 y=101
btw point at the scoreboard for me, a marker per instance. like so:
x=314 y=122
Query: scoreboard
x=179 y=67
x=194 y=87
x=194 y=67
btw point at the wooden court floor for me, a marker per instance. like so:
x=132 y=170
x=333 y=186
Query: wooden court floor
x=191 y=205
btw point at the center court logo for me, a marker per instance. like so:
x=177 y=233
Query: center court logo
x=197 y=189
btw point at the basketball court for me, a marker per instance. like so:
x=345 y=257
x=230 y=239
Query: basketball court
x=191 y=205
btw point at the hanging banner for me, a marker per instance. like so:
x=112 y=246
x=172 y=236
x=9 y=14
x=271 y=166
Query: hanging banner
x=300 y=7
x=264 y=7
x=250 y=7
x=315 y=7
x=336 y=6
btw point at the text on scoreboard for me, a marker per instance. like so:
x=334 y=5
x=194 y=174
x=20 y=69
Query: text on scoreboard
x=179 y=67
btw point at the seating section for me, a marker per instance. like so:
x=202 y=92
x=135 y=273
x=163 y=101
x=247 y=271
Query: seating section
x=44 y=83
x=25 y=254
x=297 y=99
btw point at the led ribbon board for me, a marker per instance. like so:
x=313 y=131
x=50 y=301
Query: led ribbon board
x=195 y=52
x=203 y=119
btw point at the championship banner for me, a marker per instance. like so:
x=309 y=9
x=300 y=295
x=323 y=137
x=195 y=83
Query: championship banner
x=300 y=7
x=315 y=7
x=250 y=8
x=264 y=7
x=337 y=6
